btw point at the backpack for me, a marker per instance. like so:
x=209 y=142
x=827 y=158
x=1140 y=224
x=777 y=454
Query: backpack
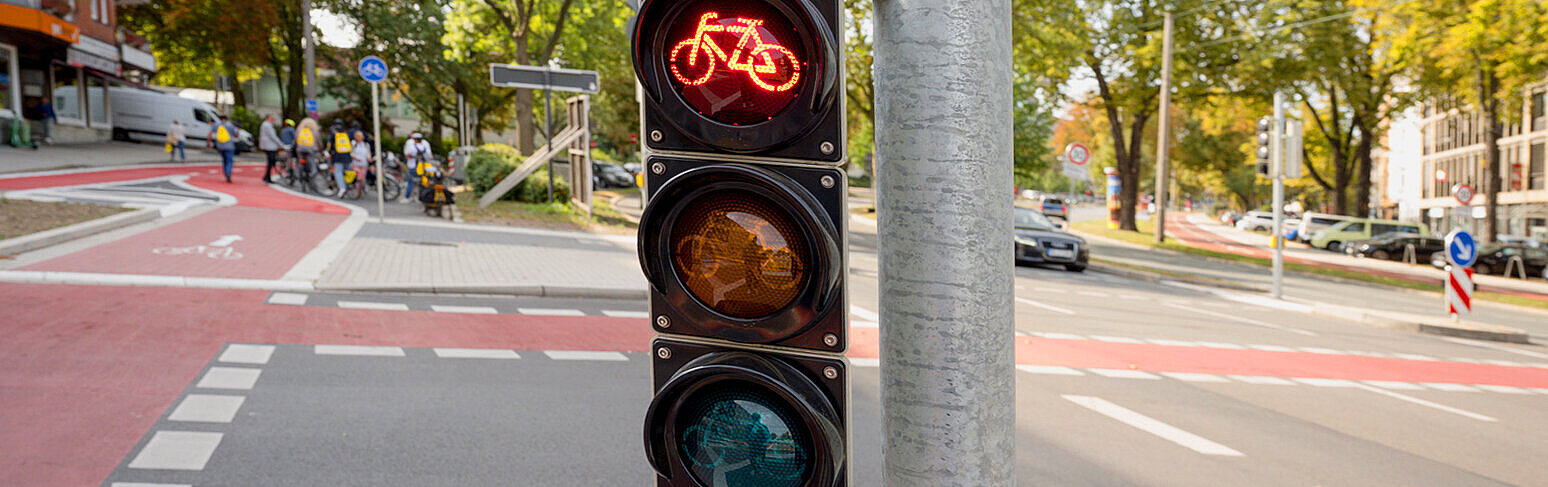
x=221 y=134
x=305 y=138
x=341 y=143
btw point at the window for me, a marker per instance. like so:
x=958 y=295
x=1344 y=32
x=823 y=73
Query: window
x=1539 y=121
x=97 y=101
x=67 y=94
x=1535 y=174
x=8 y=91
x=203 y=117
x=1536 y=254
x=1355 y=227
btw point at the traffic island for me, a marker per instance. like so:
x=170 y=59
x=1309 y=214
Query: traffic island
x=50 y=223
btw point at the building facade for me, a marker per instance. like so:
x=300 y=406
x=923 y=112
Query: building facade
x=1451 y=146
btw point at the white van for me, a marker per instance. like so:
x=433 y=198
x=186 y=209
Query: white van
x=144 y=115
x=1312 y=222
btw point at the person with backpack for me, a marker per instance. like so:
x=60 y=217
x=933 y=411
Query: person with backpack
x=339 y=142
x=223 y=138
x=176 y=137
x=415 y=152
x=307 y=137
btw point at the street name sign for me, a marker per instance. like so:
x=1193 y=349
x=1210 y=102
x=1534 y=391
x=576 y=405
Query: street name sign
x=542 y=78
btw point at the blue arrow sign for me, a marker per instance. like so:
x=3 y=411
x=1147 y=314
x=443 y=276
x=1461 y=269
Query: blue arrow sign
x=1461 y=250
x=373 y=69
x=311 y=105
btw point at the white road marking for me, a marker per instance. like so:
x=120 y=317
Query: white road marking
x=1048 y=370
x=550 y=312
x=1228 y=346
x=1502 y=389
x=373 y=305
x=1321 y=382
x=1062 y=336
x=292 y=299
x=476 y=353
x=1152 y=426
x=229 y=378
x=1448 y=387
x=626 y=314
x=177 y=450
x=207 y=408
x=358 y=350
x=1270 y=348
x=1414 y=356
x=1540 y=390
x=1190 y=377
x=142 y=484
x=1505 y=363
x=864 y=362
x=1116 y=339
x=1395 y=385
x=1262 y=380
x=1492 y=346
x=1422 y=402
x=1124 y=374
x=863 y=313
x=1055 y=309
x=1173 y=343
x=585 y=355
x=238 y=353
x=1326 y=351
x=472 y=310
x=1243 y=320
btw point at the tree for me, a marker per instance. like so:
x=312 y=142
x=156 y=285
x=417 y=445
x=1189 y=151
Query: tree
x=1481 y=53
x=195 y=39
x=526 y=32
x=860 y=88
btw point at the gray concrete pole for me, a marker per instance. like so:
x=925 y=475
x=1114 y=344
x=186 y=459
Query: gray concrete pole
x=1164 y=133
x=307 y=44
x=943 y=145
x=1277 y=171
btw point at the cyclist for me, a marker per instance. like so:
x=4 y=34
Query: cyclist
x=415 y=152
x=339 y=143
x=307 y=138
x=360 y=162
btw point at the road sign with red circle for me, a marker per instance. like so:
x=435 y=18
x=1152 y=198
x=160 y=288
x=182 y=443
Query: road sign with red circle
x=1464 y=193
x=1077 y=153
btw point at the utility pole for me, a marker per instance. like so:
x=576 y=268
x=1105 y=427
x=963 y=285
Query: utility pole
x=307 y=44
x=1163 y=132
x=1277 y=171
x=943 y=140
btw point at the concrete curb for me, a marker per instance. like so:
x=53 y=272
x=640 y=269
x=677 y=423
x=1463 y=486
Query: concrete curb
x=1156 y=278
x=96 y=279
x=496 y=289
x=47 y=238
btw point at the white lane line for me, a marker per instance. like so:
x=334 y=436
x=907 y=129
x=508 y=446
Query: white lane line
x=1464 y=360
x=550 y=312
x=863 y=313
x=1321 y=382
x=238 y=353
x=1190 y=377
x=1415 y=356
x=1048 y=370
x=1173 y=343
x=358 y=350
x=1540 y=390
x=143 y=484
x=1448 y=387
x=1262 y=380
x=1270 y=348
x=373 y=305
x=177 y=450
x=292 y=299
x=1116 y=339
x=1422 y=402
x=1242 y=320
x=1227 y=346
x=1062 y=336
x=1055 y=309
x=472 y=310
x=1325 y=351
x=626 y=314
x=1505 y=363
x=476 y=353
x=585 y=355
x=229 y=378
x=1152 y=426
x=1492 y=346
x=864 y=362
x=1502 y=389
x=1395 y=385
x=1124 y=374
x=207 y=408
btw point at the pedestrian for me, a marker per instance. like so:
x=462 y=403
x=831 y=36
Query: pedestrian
x=176 y=137
x=340 y=144
x=223 y=139
x=288 y=134
x=307 y=133
x=269 y=142
x=415 y=152
x=360 y=158
x=46 y=110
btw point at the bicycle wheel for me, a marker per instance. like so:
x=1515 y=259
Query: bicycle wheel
x=689 y=68
x=321 y=182
x=776 y=69
x=391 y=186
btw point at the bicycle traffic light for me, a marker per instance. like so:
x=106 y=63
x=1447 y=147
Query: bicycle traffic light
x=742 y=241
x=1265 y=145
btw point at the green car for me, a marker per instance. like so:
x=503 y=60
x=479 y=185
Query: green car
x=1334 y=237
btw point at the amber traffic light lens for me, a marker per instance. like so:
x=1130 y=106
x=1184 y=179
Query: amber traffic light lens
x=739 y=254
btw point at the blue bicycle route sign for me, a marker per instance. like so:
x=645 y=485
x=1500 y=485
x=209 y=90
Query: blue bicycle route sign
x=373 y=69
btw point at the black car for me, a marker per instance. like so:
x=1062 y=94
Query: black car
x=1493 y=258
x=1039 y=241
x=608 y=175
x=1394 y=246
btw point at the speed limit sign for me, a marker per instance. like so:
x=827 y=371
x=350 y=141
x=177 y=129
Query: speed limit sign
x=1464 y=193
x=1077 y=153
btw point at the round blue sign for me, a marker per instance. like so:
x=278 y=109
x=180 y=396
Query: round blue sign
x=1461 y=250
x=373 y=69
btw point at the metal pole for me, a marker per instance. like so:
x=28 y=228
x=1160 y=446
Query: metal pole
x=1164 y=133
x=376 y=149
x=943 y=140
x=308 y=46
x=548 y=131
x=1277 y=171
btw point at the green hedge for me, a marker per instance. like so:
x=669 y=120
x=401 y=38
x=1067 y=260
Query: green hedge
x=492 y=162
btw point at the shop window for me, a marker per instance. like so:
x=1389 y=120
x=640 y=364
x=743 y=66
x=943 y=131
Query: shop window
x=97 y=101
x=67 y=94
x=1535 y=168
x=7 y=82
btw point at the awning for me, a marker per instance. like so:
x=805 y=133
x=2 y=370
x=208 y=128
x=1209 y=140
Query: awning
x=37 y=21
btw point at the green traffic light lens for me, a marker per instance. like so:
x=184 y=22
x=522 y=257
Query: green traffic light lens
x=733 y=437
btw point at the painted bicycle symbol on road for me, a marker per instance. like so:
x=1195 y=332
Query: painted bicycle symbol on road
x=767 y=64
x=220 y=249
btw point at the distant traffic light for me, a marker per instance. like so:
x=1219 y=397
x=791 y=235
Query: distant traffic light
x=1265 y=145
x=743 y=241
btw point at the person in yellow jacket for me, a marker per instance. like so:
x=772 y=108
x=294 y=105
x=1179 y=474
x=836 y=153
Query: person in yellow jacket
x=308 y=140
x=341 y=145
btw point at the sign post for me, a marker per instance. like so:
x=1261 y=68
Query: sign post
x=546 y=79
x=1461 y=252
x=374 y=70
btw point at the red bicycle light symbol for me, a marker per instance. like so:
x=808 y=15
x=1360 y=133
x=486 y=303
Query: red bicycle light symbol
x=765 y=63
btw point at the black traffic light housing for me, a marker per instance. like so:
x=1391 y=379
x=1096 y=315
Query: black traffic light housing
x=803 y=130
x=1265 y=145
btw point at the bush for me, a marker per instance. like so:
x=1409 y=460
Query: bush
x=492 y=162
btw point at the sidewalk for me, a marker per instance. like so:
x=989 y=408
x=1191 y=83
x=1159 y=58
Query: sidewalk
x=70 y=156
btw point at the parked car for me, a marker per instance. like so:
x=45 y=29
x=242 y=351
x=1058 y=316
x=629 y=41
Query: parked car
x=633 y=168
x=144 y=115
x=1256 y=221
x=1334 y=237
x=1312 y=222
x=1493 y=258
x=609 y=175
x=1039 y=241
x=1055 y=207
x=1394 y=246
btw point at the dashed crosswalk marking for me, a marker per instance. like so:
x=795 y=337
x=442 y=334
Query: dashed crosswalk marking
x=1049 y=370
x=373 y=305
x=358 y=350
x=143 y=484
x=1270 y=348
x=177 y=450
x=1321 y=382
x=1111 y=339
x=476 y=353
x=1189 y=377
x=1262 y=380
x=585 y=355
x=229 y=378
x=292 y=299
x=1173 y=343
x=207 y=408
x=625 y=314
x=1443 y=386
x=1395 y=385
x=1124 y=374
x=550 y=312
x=472 y=310
x=247 y=354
